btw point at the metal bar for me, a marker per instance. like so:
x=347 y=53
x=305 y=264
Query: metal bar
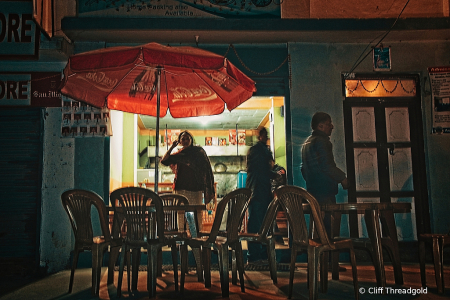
x=158 y=108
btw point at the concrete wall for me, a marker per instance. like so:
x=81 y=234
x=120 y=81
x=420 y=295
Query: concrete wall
x=68 y=163
x=316 y=86
x=58 y=175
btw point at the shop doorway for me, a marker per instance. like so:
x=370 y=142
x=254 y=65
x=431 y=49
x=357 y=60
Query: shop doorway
x=214 y=134
x=385 y=148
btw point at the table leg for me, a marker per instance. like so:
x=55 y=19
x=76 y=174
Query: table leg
x=438 y=271
x=372 y=217
x=423 y=277
x=335 y=231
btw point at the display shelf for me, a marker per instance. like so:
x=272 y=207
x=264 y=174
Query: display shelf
x=211 y=150
x=226 y=150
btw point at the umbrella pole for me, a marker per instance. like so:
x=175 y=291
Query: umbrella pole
x=237 y=141
x=158 y=102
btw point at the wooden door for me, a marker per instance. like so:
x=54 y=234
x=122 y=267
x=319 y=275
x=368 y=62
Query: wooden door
x=384 y=148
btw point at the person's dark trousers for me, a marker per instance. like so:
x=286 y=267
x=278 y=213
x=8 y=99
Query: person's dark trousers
x=256 y=211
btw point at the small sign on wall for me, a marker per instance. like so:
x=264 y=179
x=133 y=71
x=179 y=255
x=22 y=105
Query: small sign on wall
x=382 y=58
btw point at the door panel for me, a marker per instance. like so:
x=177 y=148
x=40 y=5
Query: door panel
x=363 y=124
x=366 y=169
x=397 y=124
x=400 y=170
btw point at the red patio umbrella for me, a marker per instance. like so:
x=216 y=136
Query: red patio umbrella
x=152 y=78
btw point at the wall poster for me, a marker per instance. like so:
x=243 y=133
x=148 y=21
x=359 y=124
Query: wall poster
x=440 y=99
x=382 y=58
x=82 y=120
x=239 y=139
x=172 y=136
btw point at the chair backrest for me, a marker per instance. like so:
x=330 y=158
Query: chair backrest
x=237 y=202
x=171 y=217
x=291 y=199
x=174 y=199
x=141 y=224
x=269 y=218
x=78 y=204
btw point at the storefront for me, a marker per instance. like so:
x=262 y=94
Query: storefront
x=298 y=60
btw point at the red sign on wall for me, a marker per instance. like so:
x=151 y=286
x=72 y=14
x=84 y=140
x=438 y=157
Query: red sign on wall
x=30 y=89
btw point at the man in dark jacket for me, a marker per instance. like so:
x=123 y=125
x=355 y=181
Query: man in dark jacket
x=318 y=166
x=259 y=175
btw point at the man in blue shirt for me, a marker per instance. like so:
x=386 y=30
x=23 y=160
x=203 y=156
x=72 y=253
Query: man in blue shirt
x=318 y=166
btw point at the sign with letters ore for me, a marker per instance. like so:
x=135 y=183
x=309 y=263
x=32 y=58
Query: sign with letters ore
x=19 y=35
x=30 y=89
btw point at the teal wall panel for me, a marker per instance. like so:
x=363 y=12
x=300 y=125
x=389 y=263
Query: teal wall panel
x=91 y=165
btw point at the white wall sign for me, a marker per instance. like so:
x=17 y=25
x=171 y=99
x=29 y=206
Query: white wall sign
x=440 y=99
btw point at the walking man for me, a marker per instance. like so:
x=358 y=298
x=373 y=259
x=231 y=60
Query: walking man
x=318 y=166
x=259 y=175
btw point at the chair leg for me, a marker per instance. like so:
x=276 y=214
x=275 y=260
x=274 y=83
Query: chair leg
x=207 y=266
x=219 y=262
x=335 y=231
x=374 y=231
x=233 y=267
x=121 y=267
x=271 y=254
x=113 y=255
x=130 y=259
x=240 y=265
x=388 y=223
x=354 y=273
x=335 y=265
x=313 y=276
x=198 y=263
x=174 y=251
x=159 y=262
x=423 y=276
x=184 y=263
x=324 y=272
x=291 y=270
x=136 y=262
x=152 y=270
x=223 y=265
x=97 y=257
x=74 y=266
